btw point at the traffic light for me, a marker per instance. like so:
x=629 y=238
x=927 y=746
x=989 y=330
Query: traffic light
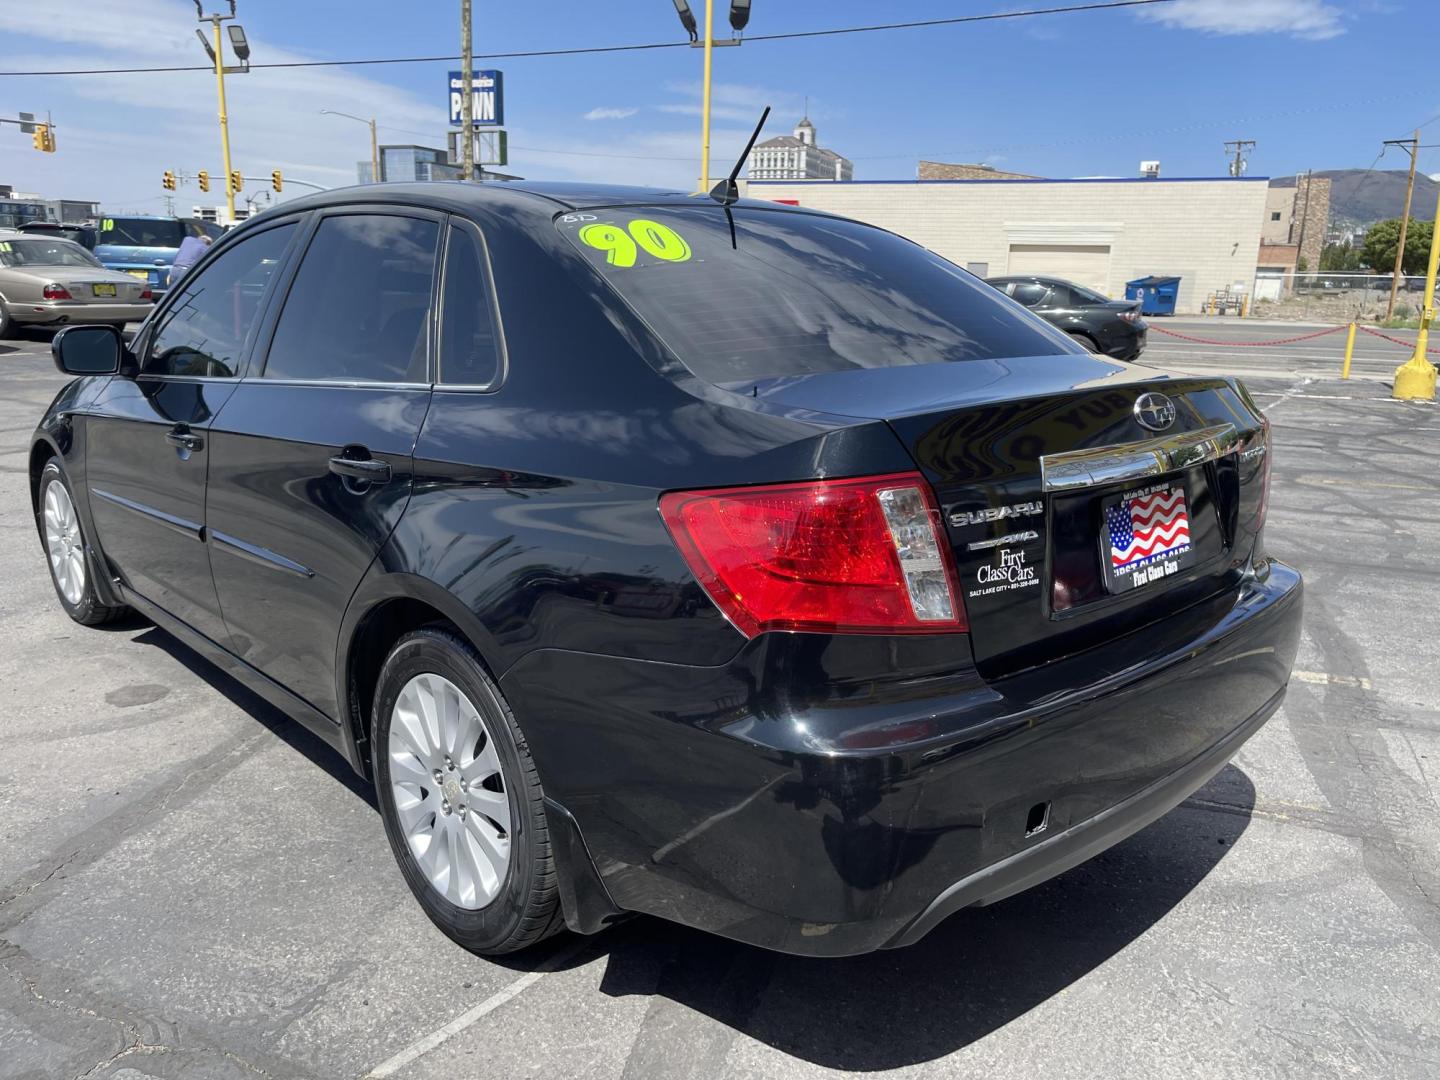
x=204 y=178
x=168 y=181
x=276 y=180
x=43 y=138
x=237 y=182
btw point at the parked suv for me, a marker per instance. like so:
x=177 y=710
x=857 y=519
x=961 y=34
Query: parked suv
x=144 y=247
x=738 y=564
x=1102 y=325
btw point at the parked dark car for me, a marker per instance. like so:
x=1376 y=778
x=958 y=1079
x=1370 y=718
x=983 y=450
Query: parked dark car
x=742 y=565
x=80 y=232
x=1102 y=325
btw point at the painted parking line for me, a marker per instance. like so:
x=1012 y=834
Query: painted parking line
x=422 y=1046
x=1327 y=481
x=1322 y=678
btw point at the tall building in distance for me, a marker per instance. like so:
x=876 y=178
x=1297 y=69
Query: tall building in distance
x=798 y=157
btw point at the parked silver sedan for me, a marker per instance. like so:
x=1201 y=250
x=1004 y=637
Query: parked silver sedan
x=47 y=281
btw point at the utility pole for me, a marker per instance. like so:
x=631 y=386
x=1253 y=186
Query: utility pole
x=1239 y=147
x=467 y=101
x=1412 y=145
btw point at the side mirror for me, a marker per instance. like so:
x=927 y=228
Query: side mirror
x=88 y=350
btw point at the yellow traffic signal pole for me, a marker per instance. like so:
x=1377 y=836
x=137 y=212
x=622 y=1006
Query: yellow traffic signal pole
x=215 y=21
x=705 y=98
x=1415 y=379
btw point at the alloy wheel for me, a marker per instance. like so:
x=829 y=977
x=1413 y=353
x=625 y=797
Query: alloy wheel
x=449 y=791
x=63 y=543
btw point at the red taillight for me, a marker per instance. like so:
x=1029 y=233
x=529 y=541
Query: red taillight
x=56 y=292
x=841 y=556
x=146 y=294
x=1130 y=316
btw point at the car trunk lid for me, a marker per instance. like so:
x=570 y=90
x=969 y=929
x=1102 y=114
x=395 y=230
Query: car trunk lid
x=1041 y=465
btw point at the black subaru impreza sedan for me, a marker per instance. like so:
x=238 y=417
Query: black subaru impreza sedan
x=739 y=564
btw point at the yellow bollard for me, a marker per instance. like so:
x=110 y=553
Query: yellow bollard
x=1349 y=351
x=1415 y=379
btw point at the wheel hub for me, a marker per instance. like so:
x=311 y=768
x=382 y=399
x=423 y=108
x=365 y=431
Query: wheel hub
x=448 y=791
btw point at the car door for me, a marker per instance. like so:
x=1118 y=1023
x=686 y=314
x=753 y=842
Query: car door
x=311 y=459
x=148 y=450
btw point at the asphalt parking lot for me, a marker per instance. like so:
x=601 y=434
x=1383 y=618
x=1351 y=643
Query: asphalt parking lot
x=191 y=886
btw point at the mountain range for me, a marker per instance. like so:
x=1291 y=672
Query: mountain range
x=1361 y=197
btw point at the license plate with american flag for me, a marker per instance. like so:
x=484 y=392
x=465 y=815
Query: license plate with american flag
x=1147 y=536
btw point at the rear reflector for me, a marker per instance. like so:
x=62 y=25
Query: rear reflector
x=838 y=556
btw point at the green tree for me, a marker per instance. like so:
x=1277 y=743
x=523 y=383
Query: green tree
x=1341 y=258
x=1378 y=252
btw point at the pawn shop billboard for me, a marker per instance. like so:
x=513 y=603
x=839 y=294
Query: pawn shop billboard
x=488 y=91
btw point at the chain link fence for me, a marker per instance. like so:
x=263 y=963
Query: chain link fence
x=1336 y=297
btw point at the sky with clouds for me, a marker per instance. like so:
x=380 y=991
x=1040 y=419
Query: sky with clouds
x=1317 y=83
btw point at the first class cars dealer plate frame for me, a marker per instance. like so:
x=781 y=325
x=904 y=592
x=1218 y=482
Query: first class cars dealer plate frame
x=1154 y=523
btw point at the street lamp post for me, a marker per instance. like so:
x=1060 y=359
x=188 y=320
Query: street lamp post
x=739 y=16
x=374 y=143
x=217 y=57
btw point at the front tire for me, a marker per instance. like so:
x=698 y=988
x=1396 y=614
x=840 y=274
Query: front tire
x=462 y=804
x=65 y=548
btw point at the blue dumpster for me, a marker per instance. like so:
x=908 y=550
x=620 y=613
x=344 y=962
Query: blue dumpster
x=1157 y=294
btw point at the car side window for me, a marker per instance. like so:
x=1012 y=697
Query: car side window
x=469 y=345
x=206 y=327
x=359 y=307
x=1058 y=297
x=1028 y=293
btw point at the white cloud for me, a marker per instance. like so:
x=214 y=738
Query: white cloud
x=117 y=133
x=1312 y=20
x=606 y=112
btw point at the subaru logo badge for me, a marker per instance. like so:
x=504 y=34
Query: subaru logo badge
x=1154 y=411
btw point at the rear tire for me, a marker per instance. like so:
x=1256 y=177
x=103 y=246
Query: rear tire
x=462 y=803
x=1087 y=341
x=66 y=551
x=7 y=324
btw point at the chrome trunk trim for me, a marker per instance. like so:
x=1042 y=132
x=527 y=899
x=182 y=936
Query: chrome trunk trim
x=1077 y=469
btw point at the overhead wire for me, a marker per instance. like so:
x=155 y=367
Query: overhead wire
x=590 y=50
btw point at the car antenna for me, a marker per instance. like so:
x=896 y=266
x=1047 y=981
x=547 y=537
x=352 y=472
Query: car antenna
x=727 y=191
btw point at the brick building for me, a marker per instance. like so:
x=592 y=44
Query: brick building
x=1099 y=233
x=1296 y=216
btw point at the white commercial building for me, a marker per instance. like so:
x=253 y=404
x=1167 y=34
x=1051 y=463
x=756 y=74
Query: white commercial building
x=798 y=157
x=1101 y=233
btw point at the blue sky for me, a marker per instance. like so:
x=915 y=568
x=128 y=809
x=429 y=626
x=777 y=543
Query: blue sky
x=1317 y=84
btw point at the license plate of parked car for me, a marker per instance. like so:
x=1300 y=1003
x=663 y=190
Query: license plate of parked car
x=1145 y=536
x=143 y=275
x=104 y=290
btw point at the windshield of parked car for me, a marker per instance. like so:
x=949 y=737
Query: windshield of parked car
x=796 y=293
x=39 y=252
x=142 y=232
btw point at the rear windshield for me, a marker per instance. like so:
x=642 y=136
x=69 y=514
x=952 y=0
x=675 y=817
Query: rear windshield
x=142 y=232
x=797 y=293
x=44 y=252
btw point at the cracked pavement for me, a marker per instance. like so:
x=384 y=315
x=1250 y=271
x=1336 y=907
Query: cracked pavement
x=191 y=886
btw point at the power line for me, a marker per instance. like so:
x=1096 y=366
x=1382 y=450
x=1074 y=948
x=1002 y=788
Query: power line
x=598 y=49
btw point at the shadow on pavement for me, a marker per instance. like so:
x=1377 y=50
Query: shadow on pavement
x=288 y=731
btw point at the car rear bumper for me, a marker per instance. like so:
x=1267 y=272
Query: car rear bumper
x=61 y=312
x=782 y=802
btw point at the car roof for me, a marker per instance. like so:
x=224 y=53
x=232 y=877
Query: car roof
x=544 y=197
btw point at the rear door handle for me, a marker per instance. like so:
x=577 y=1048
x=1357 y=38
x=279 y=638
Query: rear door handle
x=181 y=438
x=367 y=469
